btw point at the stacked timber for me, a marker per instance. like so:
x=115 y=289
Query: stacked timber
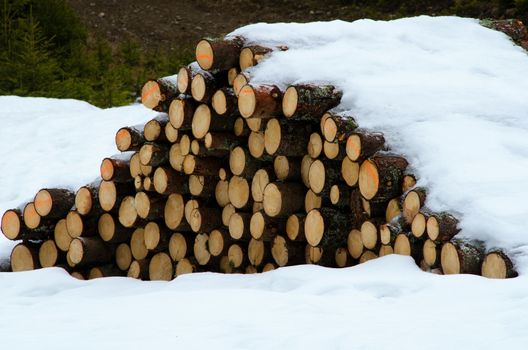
x=236 y=176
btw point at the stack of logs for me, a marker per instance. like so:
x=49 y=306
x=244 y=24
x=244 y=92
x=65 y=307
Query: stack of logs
x=238 y=176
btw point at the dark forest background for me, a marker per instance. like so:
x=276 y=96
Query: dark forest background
x=103 y=51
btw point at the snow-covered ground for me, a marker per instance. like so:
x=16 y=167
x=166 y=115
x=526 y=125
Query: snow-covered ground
x=449 y=94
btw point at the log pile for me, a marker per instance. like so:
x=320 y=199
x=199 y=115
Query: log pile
x=240 y=177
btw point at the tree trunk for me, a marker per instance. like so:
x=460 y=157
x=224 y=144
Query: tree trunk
x=157 y=94
x=181 y=112
x=185 y=77
x=167 y=181
x=111 y=231
x=155 y=128
x=327 y=228
x=225 y=102
x=412 y=203
x=90 y=251
x=441 y=227
x=265 y=228
x=497 y=264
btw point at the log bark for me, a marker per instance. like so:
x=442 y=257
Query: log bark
x=462 y=256
x=380 y=177
x=218 y=54
x=157 y=94
x=205 y=219
x=221 y=142
x=259 y=101
x=14 y=227
x=337 y=127
x=129 y=138
x=307 y=101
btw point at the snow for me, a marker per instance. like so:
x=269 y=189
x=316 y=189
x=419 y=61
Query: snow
x=49 y=142
x=383 y=304
x=448 y=93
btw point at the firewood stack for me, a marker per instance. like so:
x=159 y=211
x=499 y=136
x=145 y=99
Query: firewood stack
x=235 y=176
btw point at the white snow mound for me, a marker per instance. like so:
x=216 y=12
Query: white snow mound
x=449 y=94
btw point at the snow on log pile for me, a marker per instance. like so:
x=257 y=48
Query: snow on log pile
x=259 y=159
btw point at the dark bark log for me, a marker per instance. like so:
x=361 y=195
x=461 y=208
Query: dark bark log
x=225 y=102
x=185 y=77
x=380 y=177
x=337 y=127
x=167 y=181
x=90 y=251
x=129 y=138
x=497 y=264
x=287 y=168
x=259 y=101
x=54 y=203
x=462 y=256
x=280 y=139
x=295 y=227
x=309 y=101
x=412 y=203
x=154 y=154
x=24 y=257
x=287 y=253
x=283 y=199
x=115 y=169
x=181 y=112
x=155 y=128
x=441 y=227
x=263 y=227
x=111 y=231
x=87 y=199
x=327 y=228
x=218 y=54
x=202 y=166
x=204 y=85
x=157 y=94
x=363 y=144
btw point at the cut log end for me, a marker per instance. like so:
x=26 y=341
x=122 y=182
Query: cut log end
x=497 y=265
x=418 y=225
x=178 y=247
x=11 y=224
x=368 y=179
x=350 y=171
x=289 y=102
x=151 y=94
x=48 y=254
x=32 y=219
x=355 y=244
x=237 y=160
x=123 y=256
x=84 y=201
x=317 y=176
x=123 y=139
x=127 y=212
x=160 y=267
x=314 y=227
x=204 y=54
x=23 y=258
x=247 y=101
x=219 y=102
x=369 y=234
